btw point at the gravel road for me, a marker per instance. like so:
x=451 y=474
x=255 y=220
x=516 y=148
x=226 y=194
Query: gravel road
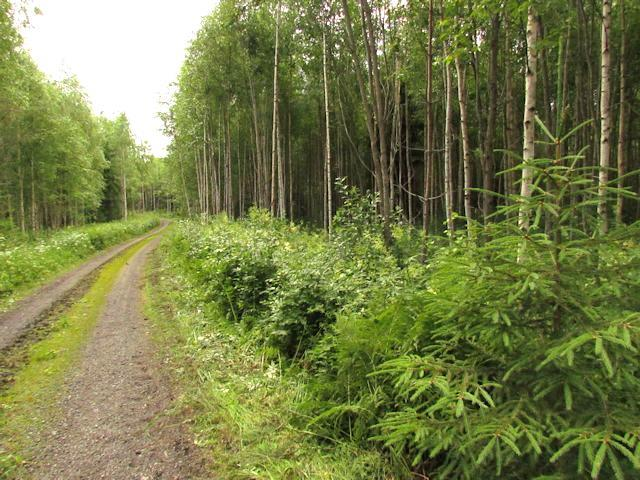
x=114 y=422
x=28 y=312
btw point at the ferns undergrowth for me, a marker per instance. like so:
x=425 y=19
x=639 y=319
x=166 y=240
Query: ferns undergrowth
x=510 y=354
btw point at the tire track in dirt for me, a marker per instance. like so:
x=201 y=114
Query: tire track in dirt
x=28 y=312
x=113 y=422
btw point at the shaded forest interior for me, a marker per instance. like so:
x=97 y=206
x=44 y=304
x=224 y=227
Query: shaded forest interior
x=413 y=100
x=277 y=101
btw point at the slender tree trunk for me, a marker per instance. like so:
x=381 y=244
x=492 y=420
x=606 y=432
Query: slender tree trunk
x=488 y=166
x=198 y=181
x=511 y=131
x=466 y=151
x=448 y=150
x=125 y=209
x=282 y=194
x=528 y=149
x=396 y=140
x=205 y=167
x=228 y=180
x=622 y=123
x=329 y=205
x=259 y=153
x=407 y=157
x=274 y=126
x=428 y=128
x=366 y=104
x=23 y=227
x=34 y=209
x=290 y=156
x=605 y=115
x=380 y=116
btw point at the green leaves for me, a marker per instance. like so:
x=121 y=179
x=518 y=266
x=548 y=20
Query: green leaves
x=31 y=262
x=476 y=365
x=602 y=449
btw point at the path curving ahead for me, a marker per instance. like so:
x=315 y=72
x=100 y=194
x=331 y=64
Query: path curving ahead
x=112 y=423
x=28 y=312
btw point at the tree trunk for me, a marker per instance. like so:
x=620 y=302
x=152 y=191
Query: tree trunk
x=396 y=137
x=259 y=155
x=380 y=117
x=23 y=226
x=407 y=157
x=34 y=210
x=448 y=150
x=488 y=167
x=274 y=126
x=205 y=167
x=622 y=124
x=466 y=151
x=368 y=110
x=511 y=132
x=528 y=149
x=428 y=128
x=290 y=157
x=329 y=205
x=228 y=180
x=605 y=115
x=282 y=206
x=125 y=209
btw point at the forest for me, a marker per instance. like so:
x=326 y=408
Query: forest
x=422 y=102
x=60 y=164
x=389 y=240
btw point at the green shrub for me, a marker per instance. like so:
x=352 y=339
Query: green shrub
x=510 y=354
x=517 y=358
x=233 y=261
x=26 y=263
x=287 y=283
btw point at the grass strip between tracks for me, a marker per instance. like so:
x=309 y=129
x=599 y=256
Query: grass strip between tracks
x=28 y=404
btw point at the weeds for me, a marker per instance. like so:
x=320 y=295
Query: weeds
x=25 y=264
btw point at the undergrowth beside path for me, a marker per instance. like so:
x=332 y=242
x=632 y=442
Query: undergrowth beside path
x=482 y=362
x=28 y=263
x=242 y=406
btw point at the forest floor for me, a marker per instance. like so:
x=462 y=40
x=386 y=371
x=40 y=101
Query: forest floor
x=111 y=414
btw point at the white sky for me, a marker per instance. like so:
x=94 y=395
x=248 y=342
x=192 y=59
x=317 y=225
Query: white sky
x=125 y=53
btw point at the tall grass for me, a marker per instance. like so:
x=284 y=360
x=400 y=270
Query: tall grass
x=28 y=262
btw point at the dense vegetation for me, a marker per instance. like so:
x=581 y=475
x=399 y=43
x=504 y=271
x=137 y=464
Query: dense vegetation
x=507 y=347
x=240 y=403
x=415 y=100
x=472 y=310
x=61 y=165
x=509 y=355
x=26 y=261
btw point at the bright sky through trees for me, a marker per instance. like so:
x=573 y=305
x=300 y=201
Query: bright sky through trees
x=125 y=53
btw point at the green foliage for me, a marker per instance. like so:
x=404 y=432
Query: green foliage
x=26 y=263
x=59 y=163
x=288 y=284
x=240 y=405
x=518 y=364
x=234 y=262
x=511 y=355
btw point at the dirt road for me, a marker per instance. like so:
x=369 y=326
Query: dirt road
x=27 y=312
x=113 y=422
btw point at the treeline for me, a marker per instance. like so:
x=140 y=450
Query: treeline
x=415 y=100
x=60 y=164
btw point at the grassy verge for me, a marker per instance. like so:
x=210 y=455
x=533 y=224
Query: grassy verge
x=242 y=409
x=27 y=263
x=28 y=404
